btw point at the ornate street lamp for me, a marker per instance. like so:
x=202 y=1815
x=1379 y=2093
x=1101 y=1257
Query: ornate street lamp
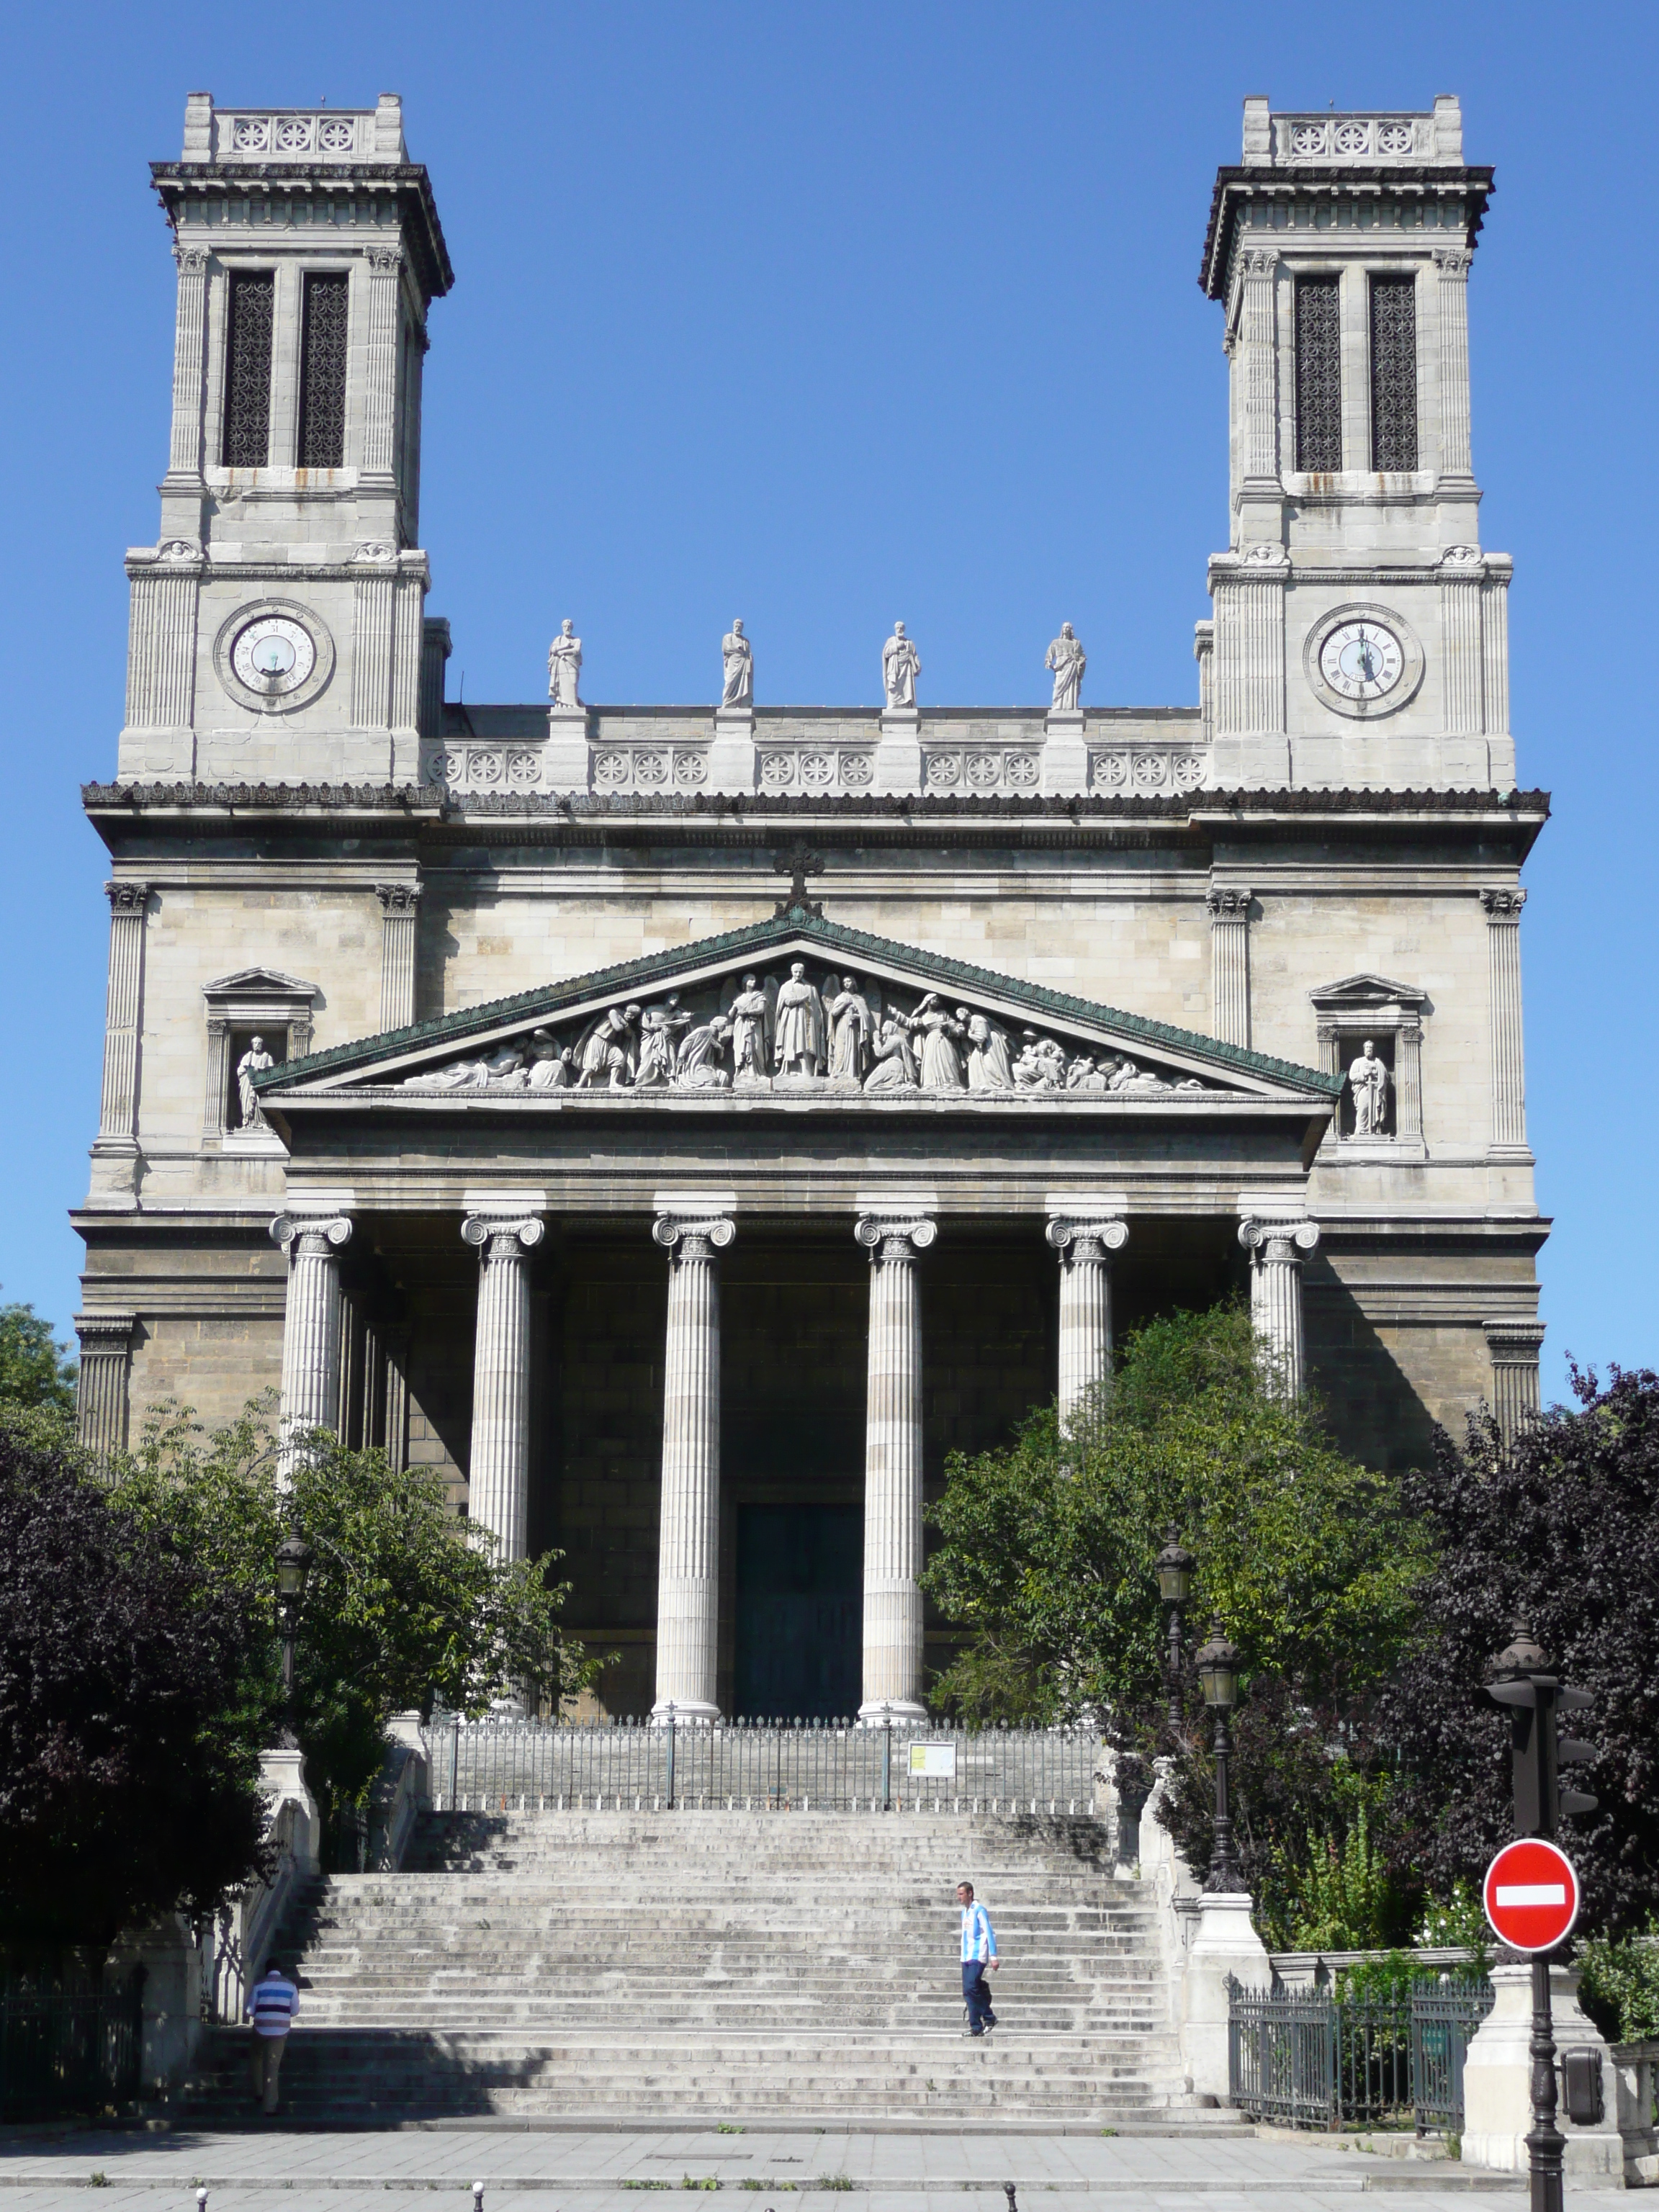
x=1175 y=1586
x=293 y=1566
x=1219 y=1663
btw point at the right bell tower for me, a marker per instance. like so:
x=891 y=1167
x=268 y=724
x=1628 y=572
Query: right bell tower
x=1360 y=633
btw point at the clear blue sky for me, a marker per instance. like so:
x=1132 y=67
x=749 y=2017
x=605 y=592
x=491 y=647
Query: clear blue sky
x=826 y=313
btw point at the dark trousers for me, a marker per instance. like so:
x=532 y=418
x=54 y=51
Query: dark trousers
x=976 y=1997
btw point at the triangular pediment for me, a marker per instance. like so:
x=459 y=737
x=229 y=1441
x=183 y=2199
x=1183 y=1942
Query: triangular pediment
x=1361 y=993
x=865 y=1017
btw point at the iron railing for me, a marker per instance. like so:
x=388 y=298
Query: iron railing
x=1313 y=2060
x=820 y=1766
x=77 y=2052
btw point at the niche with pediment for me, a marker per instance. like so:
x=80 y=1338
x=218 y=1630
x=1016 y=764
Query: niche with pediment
x=1370 y=1033
x=257 y=1018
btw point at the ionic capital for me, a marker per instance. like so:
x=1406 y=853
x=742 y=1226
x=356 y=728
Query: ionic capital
x=693 y=1236
x=891 y=1236
x=1503 y=905
x=1074 y=1237
x=1285 y=1242
x=126 y=895
x=310 y=1234
x=503 y=1235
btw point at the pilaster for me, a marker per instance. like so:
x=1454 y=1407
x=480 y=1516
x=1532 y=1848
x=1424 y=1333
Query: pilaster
x=1228 y=908
x=400 y=909
x=688 y=1571
x=1461 y=573
x=435 y=655
x=374 y=596
x=892 y=1471
x=185 y=456
x=498 y=1469
x=1452 y=266
x=101 y=1393
x=1514 y=1347
x=1258 y=317
x=115 y=1150
x=385 y=265
x=1503 y=906
x=1251 y=743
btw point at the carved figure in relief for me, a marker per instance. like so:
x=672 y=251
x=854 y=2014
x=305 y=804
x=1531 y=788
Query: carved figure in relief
x=988 y=1067
x=698 y=1067
x=254 y=1061
x=1368 y=1081
x=1083 y=1074
x=738 y=656
x=1041 y=1065
x=607 y=1051
x=751 y=1016
x=941 y=1033
x=550 y=1063
x=850 y=1029
x=564 y=667
x=895 y=1067
x=797 y=1046
x=659 y=1041
x=901 y=664
x=1066 y=659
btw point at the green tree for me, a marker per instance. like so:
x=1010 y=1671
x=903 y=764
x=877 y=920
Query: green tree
x=35 y=1370
x=404 y=1607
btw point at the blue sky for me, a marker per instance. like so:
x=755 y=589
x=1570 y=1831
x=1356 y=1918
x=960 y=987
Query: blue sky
x=826 y=313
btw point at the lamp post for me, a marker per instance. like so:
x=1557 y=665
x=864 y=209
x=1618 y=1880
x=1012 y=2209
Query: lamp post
x=1174 y=1586
x=1218 y=1662
x=293 y=1566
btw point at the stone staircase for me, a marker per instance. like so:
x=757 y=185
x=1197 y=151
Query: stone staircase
x=645 y=1967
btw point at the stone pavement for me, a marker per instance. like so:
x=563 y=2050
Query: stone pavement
x=546 y=2169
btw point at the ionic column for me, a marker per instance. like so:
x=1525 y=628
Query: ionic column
x=1509 y=1074
x=1085 y=1247
x=1228 y=910
x=101 y=1395
x=1514 y=1347
x=892 y=1471
x=1452 y=264
x=1277 y=1250
x=688 y=1557
x=185 y=454
x=400 y=906
x=498 y=1468
x=311 y=1329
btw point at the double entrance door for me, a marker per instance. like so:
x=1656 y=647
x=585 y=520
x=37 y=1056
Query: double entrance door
x=800 y=1611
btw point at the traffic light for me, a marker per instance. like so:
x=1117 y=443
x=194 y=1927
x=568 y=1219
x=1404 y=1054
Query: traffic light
x=1536 y=1699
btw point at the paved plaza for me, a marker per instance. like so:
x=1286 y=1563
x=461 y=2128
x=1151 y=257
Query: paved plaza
x=547 y=2169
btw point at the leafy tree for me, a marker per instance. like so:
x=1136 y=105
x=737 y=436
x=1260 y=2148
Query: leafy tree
x=403 y=1606
x=1561 y=1528
x=35 y=1370
x=1047 y=1556
x=121 y=1793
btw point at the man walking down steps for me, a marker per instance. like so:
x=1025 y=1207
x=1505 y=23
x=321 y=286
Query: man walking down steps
x=272 y=2008
x=978 y=1951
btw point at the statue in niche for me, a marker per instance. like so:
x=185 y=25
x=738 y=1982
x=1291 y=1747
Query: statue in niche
x=698 y=1065
x=606 y=1054
x=1368 y=1083
x=254 y=1061
x=751 y=1016
x=850 y=1027
x=901 y=664
x=1041 y=1065
x=988 y=1067
x=941 y=1033
x=797 y=1045
x=738 y=656
x=659 y=1041
x=564 y=668
x=1066 y=660
x=895 y=1067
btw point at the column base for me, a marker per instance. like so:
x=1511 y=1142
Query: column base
x=879 y=1711
x=684 y=1712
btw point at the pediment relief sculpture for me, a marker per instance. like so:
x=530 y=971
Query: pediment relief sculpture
x=792 y=1032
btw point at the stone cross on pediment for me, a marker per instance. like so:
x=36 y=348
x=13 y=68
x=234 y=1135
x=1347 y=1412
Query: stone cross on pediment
x=798 y=862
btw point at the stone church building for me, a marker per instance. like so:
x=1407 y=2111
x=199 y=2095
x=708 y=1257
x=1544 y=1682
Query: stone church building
x=684 y=1126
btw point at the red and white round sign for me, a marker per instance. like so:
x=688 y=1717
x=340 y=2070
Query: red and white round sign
x=1531 y=1895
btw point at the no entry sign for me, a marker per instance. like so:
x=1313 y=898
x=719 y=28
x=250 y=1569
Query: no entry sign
x=1531 y=1895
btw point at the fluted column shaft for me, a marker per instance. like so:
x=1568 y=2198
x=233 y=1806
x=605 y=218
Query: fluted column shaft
x=1277 y=1250
x=119 y=1111
x=384 y=279
x=1261 y=365
x=1453 y=265
x=892 y=1472
x=1085 y=1247
x=102 y=1395
x=1509 y=1078
x=498 y=1466
x=1514 y=1347
x=1228 y=910
x=688 y=1557
x=185 y=452
x=400 y=908
x=310 y=1330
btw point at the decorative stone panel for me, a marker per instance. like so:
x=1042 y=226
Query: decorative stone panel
x=982 y=769
x=650 y=768
x=817 y=768
x=1141 y=769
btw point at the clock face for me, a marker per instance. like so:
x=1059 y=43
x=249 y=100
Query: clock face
x=274 y=655
x=1362 y=661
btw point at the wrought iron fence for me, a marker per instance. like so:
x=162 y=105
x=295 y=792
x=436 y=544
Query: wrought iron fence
x=70 y=2053
x=826 y=1766
x=1314 y=2060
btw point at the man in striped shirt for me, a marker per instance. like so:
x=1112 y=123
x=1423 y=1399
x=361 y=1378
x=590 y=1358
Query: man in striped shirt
x=272 y=2006
x=978 y=1951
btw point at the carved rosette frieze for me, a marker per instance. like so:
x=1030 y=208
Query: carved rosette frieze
x=1145 y=770
x=311 y=1329
x=688 y=1564
x=892 y=1468
x=498 y=1465
x=1277 y=1250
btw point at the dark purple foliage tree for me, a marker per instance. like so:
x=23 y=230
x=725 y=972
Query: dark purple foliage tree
x=126 y=1787
x=1562 y=1529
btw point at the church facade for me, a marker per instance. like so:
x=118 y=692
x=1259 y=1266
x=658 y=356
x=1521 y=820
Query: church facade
x=683 y=1126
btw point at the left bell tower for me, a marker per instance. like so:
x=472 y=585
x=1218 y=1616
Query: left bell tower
x=278 y=628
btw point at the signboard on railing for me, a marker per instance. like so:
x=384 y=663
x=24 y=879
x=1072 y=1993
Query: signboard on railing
x=938 y=1760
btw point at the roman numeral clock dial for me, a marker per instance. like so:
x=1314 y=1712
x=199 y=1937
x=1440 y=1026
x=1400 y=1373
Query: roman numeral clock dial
x=1362 y=661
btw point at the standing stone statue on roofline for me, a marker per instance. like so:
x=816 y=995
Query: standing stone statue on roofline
x=1066 y=659
x=901 y=664
x=738 y=656
x=564 y=667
